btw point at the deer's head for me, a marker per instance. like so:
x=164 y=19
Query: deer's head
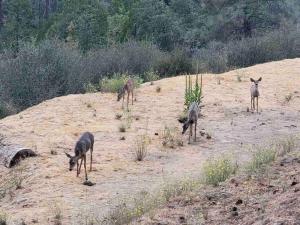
x=186 y=125
x=72 y=161
x=255 y=81
x=121 y=92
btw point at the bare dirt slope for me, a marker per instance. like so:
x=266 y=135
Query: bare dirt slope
x=56 y=125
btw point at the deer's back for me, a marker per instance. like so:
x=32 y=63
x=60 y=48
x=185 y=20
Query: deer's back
x=84 y=143
x=193 y=111
x=129 y=85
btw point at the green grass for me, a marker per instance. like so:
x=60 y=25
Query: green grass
x=260 y=159
x=117 y=81
x=218 y=170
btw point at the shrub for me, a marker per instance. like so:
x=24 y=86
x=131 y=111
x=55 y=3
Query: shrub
x=90 y=88
x=150 y=76
x=141 y=145
x=218 y=170
x=3 y=218
x=192 y=94
x=158 y=89
x=170 y=137
x=117 y=81
x=260 y=159
x=122 y=128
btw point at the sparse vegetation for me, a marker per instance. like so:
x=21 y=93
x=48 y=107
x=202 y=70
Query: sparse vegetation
x=18 y=175
x=170 y=137
x=288 y=97
x=122 y=127
x=141 y=147
x=90 y=88
x=3 y=218
x=260 y=159
x=218 y=170
x=116 y=82
x=192 y=93
x=57 y=212
x=118 y=116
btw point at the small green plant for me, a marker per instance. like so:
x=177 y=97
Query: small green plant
x=150 y=76
x=260 y=159
x=218 y=170
x=3 y=218
x=141 y=145
x=91 y=88
x=158 y=89
x=122 y=128
x=117 y=81
x=192 y=93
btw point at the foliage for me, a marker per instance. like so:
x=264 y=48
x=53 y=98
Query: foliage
x=192 y=94
x=218 y=170
x=260 y=159
x=141 y=145
x=170 y=137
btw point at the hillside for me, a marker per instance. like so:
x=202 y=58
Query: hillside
x=56 y=124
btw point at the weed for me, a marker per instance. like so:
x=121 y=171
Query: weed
x=158 y=89
x=57 y=212
x=192 y=94
x=260 y=159
x=141 y=145
x=288 y=97
x=18 y=176
x=3 y=218
x=89 y=105
x=122 y=128
x=118 y=116
x=171 y=138
x=91 y=88
x=218 y=170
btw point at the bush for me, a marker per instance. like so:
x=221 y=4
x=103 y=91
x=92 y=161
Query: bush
x=170 y=137
x=178 y=62
x=3 y=218
x=260 y=159
x=141 y=145
x=150 y=76
x=218 y=170
x=117 y=82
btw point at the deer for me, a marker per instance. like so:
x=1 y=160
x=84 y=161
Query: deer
x=128 y=87
x=192 y=119
x=85 y=143
x=254 y=93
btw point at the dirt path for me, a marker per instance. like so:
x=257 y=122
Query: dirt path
x=57 y=123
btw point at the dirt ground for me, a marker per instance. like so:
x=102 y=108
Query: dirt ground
x=268 y=198
x=56 y=124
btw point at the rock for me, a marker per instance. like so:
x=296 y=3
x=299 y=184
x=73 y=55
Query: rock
x=182 y=219
x=294 y=183
x=234 y=208
x=235 y=213
x=239 y=201
x=122 y=138
x=208 y=136
x=88 y=183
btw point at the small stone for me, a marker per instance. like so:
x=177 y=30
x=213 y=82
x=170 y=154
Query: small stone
x=239 y=201
x=122 y=138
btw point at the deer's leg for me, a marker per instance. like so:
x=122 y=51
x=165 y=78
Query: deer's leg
x=77 y=168
x=132 y=97
x=80 y=166
x=91 y=158
x=84 y=158
x=257 y=104
x=191 y=133
x=195 y=130
x=251 y=103
x=127 y=100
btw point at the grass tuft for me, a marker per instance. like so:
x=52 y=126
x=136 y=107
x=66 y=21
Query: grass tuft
x=218 y=170
x=141 y=145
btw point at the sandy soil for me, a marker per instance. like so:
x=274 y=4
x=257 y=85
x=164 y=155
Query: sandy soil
x=56 y=125
x=268 y=198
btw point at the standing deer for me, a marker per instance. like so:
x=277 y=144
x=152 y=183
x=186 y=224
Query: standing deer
x=128 y=87
x=85 y=142
x=254 y=93
x=192 y=119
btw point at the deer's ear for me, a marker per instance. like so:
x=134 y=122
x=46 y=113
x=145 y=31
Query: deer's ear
x=252 y=80
x=259 y=79
x=68 y=155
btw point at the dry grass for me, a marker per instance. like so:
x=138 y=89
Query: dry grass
x=218 y=170
x=57 y=213
x=3 y=218
x=122 y=128
x=141 y=145
x=171 y=137
x=118 y=116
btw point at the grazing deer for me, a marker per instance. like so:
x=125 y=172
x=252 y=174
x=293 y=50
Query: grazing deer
x=128 y=87
x=85 y=143
x=192 y=119
x=254 y=93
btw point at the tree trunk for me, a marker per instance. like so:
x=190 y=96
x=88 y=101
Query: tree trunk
x=46 y=12
x=1 y=14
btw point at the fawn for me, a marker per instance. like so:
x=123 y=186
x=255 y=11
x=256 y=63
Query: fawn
x=85 y=142
x=254 y=93
x=192 y=119
x=128 y=87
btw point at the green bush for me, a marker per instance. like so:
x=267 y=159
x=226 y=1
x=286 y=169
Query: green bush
x=218 y=170
x=192 y=94
x=117 y=81
x=260 y=159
